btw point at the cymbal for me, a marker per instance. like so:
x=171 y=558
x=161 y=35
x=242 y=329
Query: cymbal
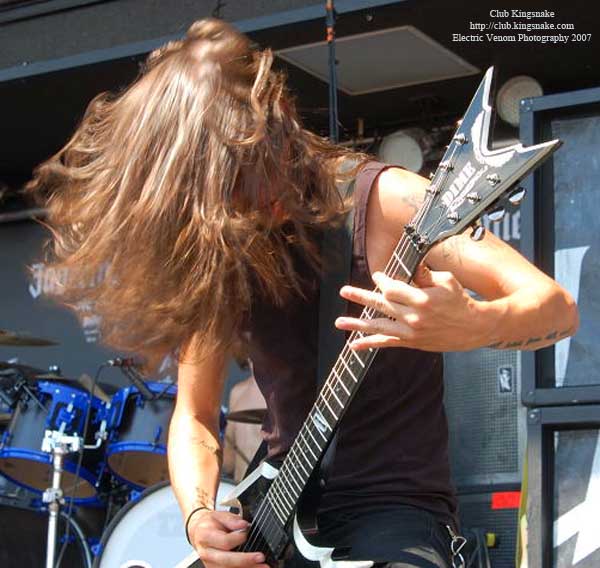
x=14 y=338
x=54 y=377
x=30 y=373
x=249 y=416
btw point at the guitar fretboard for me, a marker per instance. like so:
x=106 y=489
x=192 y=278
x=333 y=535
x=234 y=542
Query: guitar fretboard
x=333 y=399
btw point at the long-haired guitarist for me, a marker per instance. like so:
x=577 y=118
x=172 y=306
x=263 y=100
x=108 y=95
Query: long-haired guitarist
x=200 y=194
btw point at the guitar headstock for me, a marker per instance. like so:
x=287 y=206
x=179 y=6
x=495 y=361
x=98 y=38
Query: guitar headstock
x=471 y=179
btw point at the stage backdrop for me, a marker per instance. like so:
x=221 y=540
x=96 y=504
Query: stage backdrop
x=23 y=307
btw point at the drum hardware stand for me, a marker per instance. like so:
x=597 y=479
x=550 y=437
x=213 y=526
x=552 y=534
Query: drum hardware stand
x=10 y=391
x=12 y=397
x=58 y=444
x=127 y=367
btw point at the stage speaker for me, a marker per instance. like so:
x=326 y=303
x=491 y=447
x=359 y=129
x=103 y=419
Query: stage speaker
x=495 y=514
x=486 y=422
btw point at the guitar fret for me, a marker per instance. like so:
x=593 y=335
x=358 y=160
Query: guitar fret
x=299 y=460
x=404 y=267
x=341 y=382
x=349 y=369
x=335 y=395
x=357 y=357
x=307 y=445
x=321 y=433
x=314 y=439
x=280 y=514
x=335 y=416
x=292 y=477
x=288 y=497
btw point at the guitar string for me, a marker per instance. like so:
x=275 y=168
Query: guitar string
x=392 y=267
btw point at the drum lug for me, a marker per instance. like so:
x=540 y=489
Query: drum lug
x=96 y=548
x=134 y=495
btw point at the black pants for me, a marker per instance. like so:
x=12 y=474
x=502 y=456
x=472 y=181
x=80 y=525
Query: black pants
x=398 y=537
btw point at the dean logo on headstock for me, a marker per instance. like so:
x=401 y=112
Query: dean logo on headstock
x=470 y=181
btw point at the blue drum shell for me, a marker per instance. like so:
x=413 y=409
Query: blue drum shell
x=137 y=449
x=21 y=458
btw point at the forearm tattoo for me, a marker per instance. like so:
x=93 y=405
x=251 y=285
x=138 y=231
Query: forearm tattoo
x=530 y=341
x=215 y=450
x=203 y=499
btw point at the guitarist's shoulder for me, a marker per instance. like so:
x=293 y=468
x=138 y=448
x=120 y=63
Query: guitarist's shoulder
x=397 y=194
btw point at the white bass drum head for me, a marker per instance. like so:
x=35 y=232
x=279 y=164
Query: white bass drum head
x=149 y=532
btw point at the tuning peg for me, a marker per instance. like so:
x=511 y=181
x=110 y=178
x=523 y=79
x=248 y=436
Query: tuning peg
x=517 y=196
x=453 y=217
x=473 y=197
x=478 y=232
x=460 y=138
x=494 y=179
x=497 y=214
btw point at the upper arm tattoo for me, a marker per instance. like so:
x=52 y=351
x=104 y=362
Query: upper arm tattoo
x=413 y=200
x=452 y=250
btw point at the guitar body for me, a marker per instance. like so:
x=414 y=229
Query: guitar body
x=277 y=545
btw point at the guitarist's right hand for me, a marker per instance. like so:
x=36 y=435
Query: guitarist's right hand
x=215 y=535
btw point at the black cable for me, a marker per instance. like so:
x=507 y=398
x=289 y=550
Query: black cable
x=334 y=133
x=163 y=391
x=216 y=13
x=69 y=514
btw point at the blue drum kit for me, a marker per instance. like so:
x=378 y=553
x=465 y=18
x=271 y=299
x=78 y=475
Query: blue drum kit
x=88 y=466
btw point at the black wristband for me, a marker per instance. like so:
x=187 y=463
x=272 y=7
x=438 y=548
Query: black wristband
x=187 y=522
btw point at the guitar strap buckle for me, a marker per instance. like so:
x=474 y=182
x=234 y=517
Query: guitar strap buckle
x=457 y=543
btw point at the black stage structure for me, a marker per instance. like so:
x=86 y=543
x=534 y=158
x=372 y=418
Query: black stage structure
x=56 y=55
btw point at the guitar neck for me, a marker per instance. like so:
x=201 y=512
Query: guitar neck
x=334 y=397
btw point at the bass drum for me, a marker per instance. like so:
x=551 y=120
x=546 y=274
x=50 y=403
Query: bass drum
x=149 y=532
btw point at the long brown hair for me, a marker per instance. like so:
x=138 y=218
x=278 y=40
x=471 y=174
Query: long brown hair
x=190 y=189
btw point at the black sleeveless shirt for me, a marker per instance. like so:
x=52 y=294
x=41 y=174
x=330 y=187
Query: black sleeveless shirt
x=393 y=439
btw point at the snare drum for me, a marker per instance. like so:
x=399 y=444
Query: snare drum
x=149 y=532
x=21 y=458
x=136 y=452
